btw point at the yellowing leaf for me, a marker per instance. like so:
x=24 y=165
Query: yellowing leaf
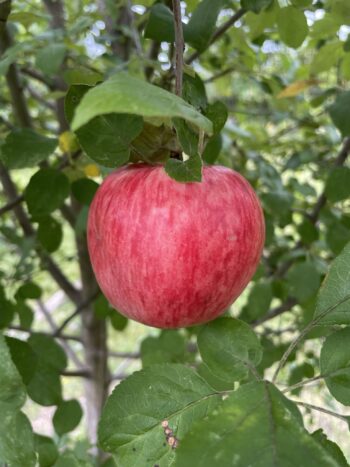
x=68 y=142
x=296 y=88
x=92 y=170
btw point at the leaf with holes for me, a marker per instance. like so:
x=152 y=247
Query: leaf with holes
x=131 y=423
x=255 y=425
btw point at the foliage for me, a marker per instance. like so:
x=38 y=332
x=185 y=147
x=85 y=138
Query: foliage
x=87 y=87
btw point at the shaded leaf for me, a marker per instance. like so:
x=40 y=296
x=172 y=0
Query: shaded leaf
x=338 y=184
x=23 y=357
x=26 y=148
x=336 y=289
x=255 y=425
x=49 y=233
x=187 y=171
x=67 y=416
x=339 y=112
x=255 y=5
x=229 y=348
x=335 y=362
x=46 y=191
x=50 y=58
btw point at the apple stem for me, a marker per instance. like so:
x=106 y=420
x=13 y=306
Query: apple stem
x=179 y=47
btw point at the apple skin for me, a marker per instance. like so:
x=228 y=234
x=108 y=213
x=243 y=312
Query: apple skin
x=171 y=254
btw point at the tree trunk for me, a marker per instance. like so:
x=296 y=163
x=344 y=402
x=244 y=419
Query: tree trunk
x=94 y=337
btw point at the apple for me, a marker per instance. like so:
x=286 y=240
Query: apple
x=171 y=254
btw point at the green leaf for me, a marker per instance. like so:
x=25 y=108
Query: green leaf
x=168 y=347
x=197 y=32
x=49 y=233
x=303 y=281
x=255 y=425
x=84 y=190
x=338 y=184
x=68 y=460
x=102 y=308
x=337 y=236
x=188 y=171
x=341 y=10
x=298 y=373
x=105 y=139
x=50 y=58
x=48 y=351
x=7 y=311
x=160 y=24
x=292 y=26
x=45 y=386
x=201 y=26
x=215 y=382
x=46 y=449
x=326 y=57
x=28 y=290
x=259 y=301
x=255 y=5
x=23 y=357
x=82 y=76
x=301 y=3
x=118 y=321
x=193 y=91
x=187 y=137
x=340 y=114
x=333 y=449
x=12 y=391
x=212 y=149
x=335 y=362
x=217 y=114
x=46 y=191
x=26 y=148
x=308 y=232
x=16 y=439
x=123 y=93
x=25 y=314
x=131 y=423
x=229 y=348
x=335 y=289
x=67 y=416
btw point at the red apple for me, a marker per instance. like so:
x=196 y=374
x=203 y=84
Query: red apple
x=171 y=254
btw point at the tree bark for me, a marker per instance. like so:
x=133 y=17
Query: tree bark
x=94 y=331
x=56 y=10
x=115 y=18
x=94 y=337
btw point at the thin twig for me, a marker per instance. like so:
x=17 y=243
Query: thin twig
x=303 y=383
x=12 y=204
x=66 y=337
x=344 y=418
x=134 y=355
x=64 y=342
x=303 y=333
x=285 y=306
x=76 y=373
x=179 y=47
x=81 y=307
